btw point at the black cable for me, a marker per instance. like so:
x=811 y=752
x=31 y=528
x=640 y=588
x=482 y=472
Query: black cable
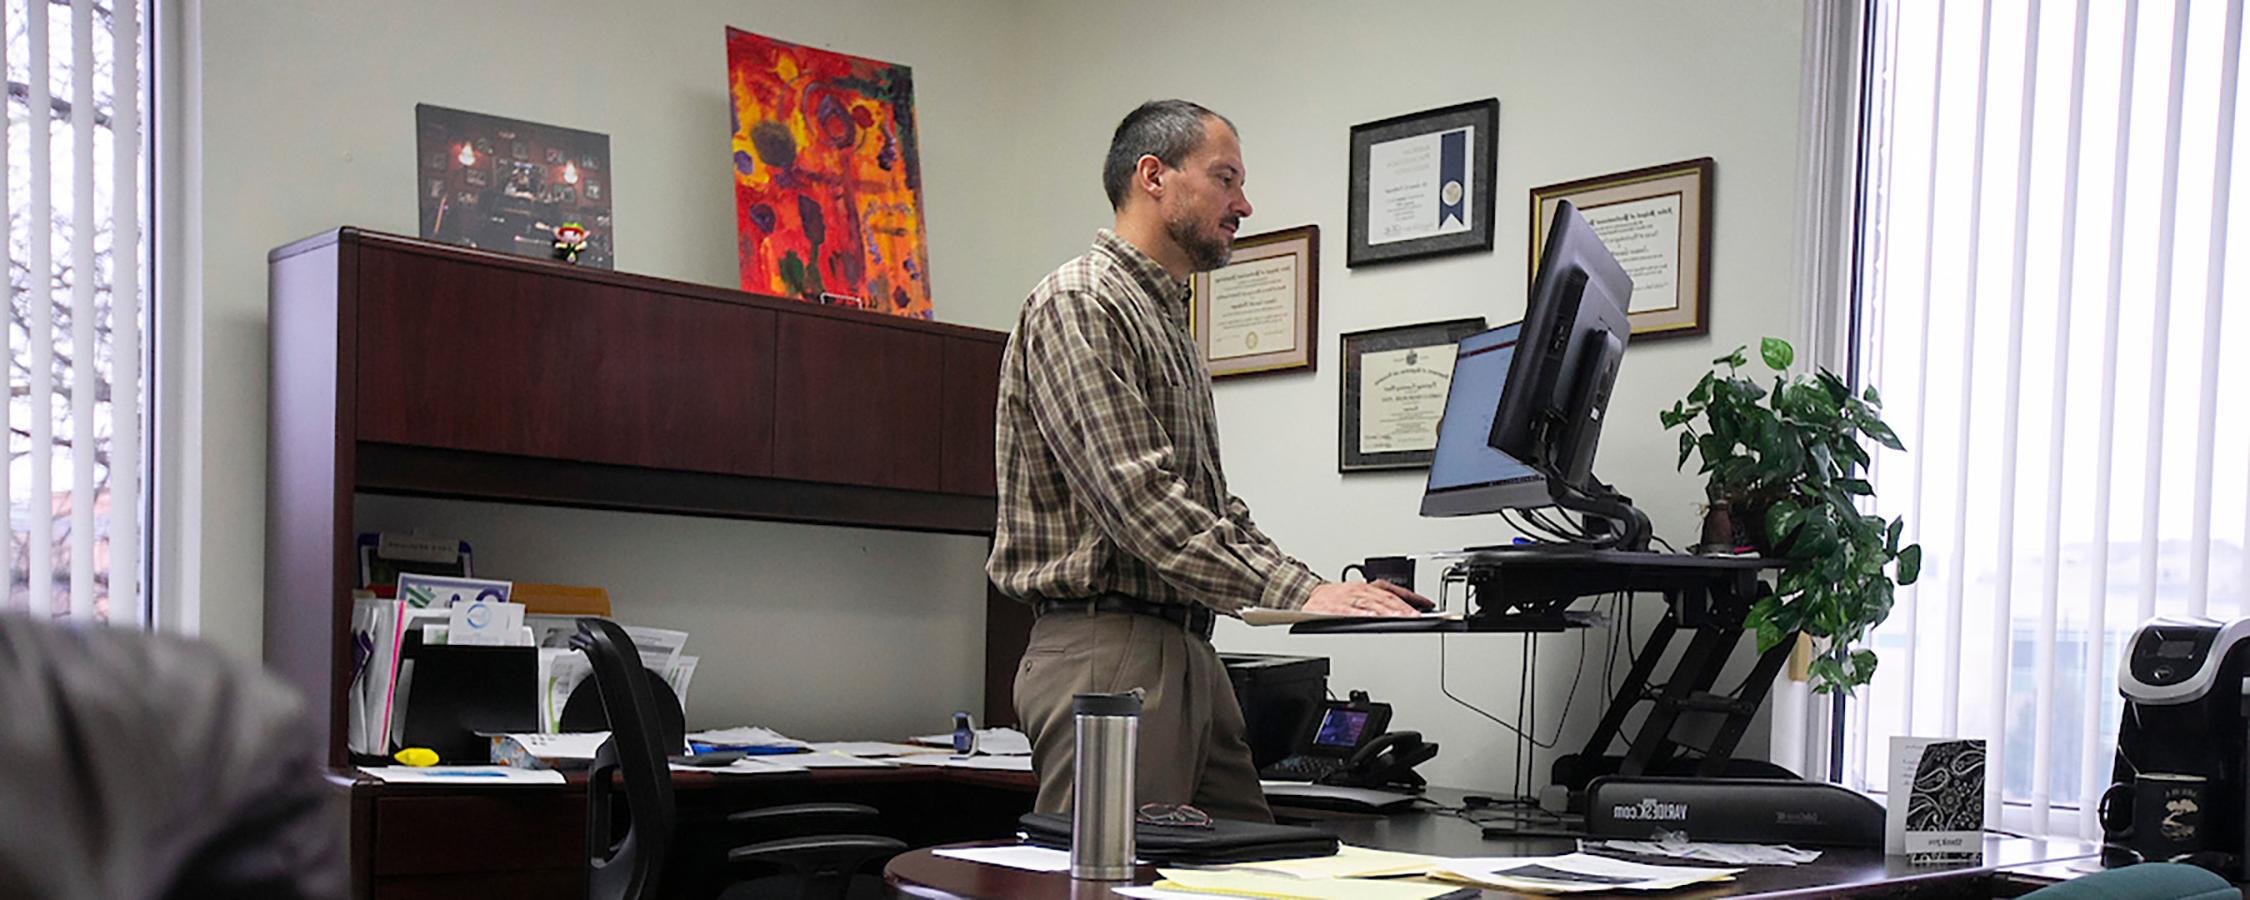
x=1519 y=732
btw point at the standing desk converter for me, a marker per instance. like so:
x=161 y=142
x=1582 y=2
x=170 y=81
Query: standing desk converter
x=1529 y=589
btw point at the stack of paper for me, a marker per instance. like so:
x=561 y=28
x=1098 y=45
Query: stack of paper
x=868 y=749
x=750 y=738
x=1573 y=873
x=990 y=763
x=996 y=741
x=1731 y=854
x=748 y=765
x=1349 y=862
x=565 y=752
x=477 y=776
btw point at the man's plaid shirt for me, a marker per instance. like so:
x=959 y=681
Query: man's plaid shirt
x=1109 y=453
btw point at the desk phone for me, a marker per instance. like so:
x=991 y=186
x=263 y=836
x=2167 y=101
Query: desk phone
x=1350 y=744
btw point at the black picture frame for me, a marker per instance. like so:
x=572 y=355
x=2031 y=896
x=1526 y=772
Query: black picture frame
x=1350 y=457
x=1482 y=120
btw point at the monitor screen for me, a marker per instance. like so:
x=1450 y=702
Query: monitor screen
x=1467 y=475
x=1341 y=728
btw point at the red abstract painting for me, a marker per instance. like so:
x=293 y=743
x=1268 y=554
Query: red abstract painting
x=827 y=177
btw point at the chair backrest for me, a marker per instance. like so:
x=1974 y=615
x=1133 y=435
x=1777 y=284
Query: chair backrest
x=626 y=867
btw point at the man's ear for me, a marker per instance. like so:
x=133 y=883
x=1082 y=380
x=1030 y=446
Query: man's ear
x=1148 y=173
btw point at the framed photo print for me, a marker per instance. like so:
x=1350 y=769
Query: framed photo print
x=1657 y=221
x=1260 y=312
x=1421 y=184
x=1393 y=393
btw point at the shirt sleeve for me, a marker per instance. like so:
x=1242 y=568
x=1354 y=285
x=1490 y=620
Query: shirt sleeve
x=1085 y=385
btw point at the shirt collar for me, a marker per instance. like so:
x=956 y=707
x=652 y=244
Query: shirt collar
x=1170 y=293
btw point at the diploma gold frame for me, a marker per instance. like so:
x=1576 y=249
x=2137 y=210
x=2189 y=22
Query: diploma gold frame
x=1421 y=184
x=1658 y=222
x=1393 y=393
x=1261 y=312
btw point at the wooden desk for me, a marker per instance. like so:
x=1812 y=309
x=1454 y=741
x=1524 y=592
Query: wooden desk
x=1838 y=873
x=427 y=841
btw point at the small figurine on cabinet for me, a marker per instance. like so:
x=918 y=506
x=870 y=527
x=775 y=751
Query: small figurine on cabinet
x=570 y=240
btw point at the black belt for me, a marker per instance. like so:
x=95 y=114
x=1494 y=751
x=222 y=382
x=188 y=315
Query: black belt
x=1196 y=619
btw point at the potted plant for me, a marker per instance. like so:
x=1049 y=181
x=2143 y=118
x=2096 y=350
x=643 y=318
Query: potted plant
x=1784 y=468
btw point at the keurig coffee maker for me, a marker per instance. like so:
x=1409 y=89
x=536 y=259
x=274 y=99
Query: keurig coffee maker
x=2178 y=785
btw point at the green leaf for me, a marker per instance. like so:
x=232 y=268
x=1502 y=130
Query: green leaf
x=1837 y=390
x=1890 y=541
x=1856 y=486
x=1781 y=519
x=1687 y=449
x=1777 y=352
x=1828 y=674
x=1870 y=396
x=1670 y=417
x=1862 y=666
x=1910 y=564
x=1882 y=434
x=1735 y=359
x=1701 y=393
x=1760 y=621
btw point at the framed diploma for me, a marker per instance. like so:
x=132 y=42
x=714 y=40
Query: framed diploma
x=1393 y=393
x=1657 y=221
x=1421 y=184
x=1260 y=313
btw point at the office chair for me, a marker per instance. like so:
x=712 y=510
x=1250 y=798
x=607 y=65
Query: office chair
x=628 y=867
x=819 y=865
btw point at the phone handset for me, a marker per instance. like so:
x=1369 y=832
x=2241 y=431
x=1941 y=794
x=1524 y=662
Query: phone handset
x=1388 y=759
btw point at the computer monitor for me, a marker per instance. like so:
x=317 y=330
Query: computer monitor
x=1546 y=410
x=1574 y=333
x=1468 y=476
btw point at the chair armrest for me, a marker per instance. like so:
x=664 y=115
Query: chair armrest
x=808 y=816
x=845 y=852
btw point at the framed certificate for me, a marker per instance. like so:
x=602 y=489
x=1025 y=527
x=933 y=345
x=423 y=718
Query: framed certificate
x=1260 y=313
x=1421 y=184
x=1393 y=393
x=1657 y=221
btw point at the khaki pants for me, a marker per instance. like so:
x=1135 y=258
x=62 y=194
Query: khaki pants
x=1193 y=747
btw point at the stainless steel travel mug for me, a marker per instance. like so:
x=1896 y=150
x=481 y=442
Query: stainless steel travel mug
x=1102 y=803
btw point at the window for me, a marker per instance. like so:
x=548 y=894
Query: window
x=77 y=256
x=2051 y=305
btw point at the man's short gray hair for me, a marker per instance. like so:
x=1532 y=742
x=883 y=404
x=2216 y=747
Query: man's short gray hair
x=1166 y=129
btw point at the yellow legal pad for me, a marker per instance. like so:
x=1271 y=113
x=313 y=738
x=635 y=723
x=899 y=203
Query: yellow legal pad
x=1273 y=886
x=1349 y=862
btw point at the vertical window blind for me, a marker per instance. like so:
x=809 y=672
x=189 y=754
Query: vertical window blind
x=76 y=251
x=2047 y=262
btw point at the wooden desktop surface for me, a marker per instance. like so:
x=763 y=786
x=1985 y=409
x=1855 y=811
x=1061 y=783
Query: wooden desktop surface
x=1838 y=872
x=529 y=840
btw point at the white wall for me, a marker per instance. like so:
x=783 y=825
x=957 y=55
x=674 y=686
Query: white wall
x=306 y=116
x=307 y=123
x=1585 y=88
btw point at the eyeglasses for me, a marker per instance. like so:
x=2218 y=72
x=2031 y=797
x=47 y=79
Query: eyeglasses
x=1173 y=815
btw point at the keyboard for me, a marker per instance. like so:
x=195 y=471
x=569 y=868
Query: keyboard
x=1302 y=768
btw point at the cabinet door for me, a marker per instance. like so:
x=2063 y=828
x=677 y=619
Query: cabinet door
x=501 y=360
x=972 y=387
x=857 y=403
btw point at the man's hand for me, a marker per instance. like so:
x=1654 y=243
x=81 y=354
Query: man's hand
x=1372 y=598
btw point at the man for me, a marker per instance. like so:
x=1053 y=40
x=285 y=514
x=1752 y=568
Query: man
x=1115 y=520
x=147 y=767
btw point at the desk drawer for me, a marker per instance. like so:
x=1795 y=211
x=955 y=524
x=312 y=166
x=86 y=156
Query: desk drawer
x=480 y=833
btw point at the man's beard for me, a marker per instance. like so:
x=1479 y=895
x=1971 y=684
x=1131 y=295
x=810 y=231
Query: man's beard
x=1204 y=254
